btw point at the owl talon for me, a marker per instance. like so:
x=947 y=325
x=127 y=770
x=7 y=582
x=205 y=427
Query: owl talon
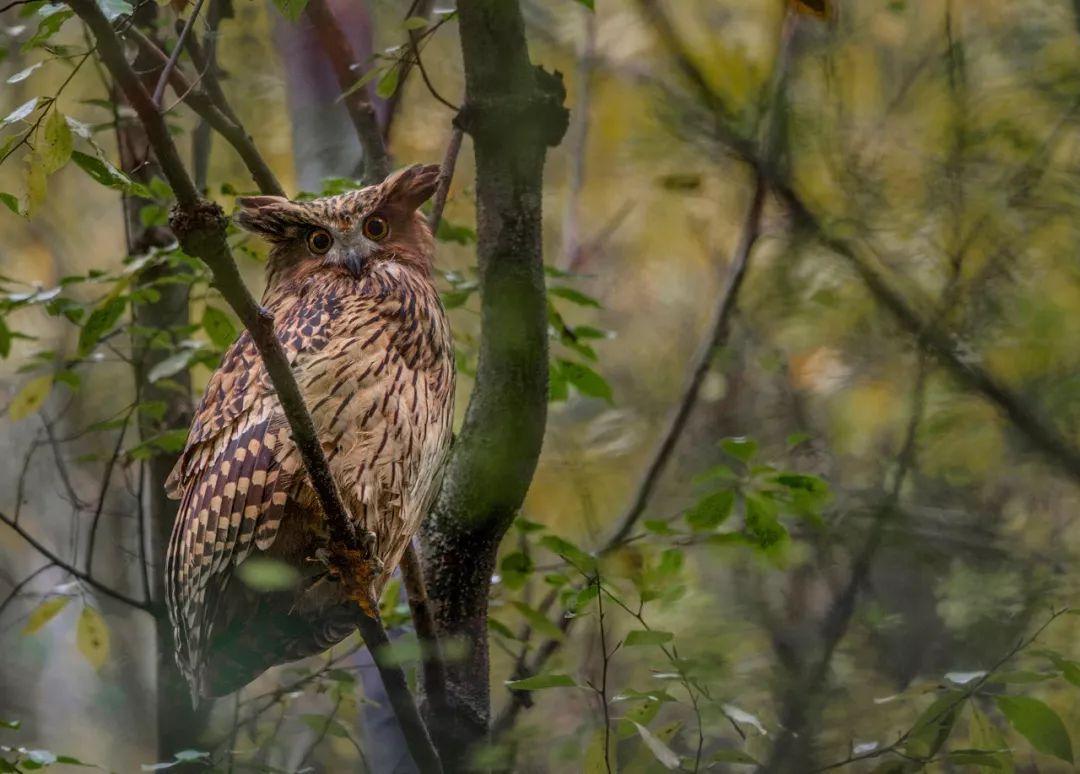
x=357 y=572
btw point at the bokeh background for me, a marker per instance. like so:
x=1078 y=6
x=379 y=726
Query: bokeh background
x=942 y=135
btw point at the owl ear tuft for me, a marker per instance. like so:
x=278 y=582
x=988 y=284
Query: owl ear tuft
x=412 y=186
x=264 y=215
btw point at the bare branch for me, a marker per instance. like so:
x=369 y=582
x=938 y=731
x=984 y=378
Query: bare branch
x=170 y=65
x=446 y=177
x=216 y=112
x=17 y=589
x=71 y=569
x=361 y=112
x=431 y=656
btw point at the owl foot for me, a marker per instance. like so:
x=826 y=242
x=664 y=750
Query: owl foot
x=357 y=572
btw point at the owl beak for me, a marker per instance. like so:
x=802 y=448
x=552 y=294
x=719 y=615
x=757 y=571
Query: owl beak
x=357 y=255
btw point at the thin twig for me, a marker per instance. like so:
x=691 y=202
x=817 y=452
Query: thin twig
x=71 y=569
x=431 y=657
x=23 y=584
x=974 y=687
x=170 y=65
x=118 y=448
x=446 y=177
x=1042 y=435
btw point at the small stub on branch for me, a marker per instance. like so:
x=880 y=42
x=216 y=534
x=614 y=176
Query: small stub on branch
x=357 y=571
x=821 y=9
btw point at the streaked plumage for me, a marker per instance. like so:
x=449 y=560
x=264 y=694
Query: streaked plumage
x=370 y=346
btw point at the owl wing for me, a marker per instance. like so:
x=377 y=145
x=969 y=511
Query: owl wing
x=233 y=478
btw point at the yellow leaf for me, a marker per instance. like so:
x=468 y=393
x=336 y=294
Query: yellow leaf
x=92 y=637
x=36 y=182
x=44 y=613
x=55 y=150
x=595 y=763
x=30 y=398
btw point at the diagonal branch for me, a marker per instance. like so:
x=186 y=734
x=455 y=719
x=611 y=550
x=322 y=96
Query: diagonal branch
x=211 y=106
x=200 y=227
x=1042 y=436
x=71 y=569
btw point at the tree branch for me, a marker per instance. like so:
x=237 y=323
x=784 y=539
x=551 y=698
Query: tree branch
x=1042 y=436
x=357 y=103
x=72 y=569
x=431 y=656
x=210 y=105
x=513 y=112
x=446 y=177
x=200 y=227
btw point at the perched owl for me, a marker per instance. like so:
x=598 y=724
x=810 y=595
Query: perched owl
x=349 y=285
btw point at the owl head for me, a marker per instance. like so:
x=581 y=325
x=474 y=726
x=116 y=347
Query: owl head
x=351 y=232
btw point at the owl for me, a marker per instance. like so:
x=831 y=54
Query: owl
x=350 y=287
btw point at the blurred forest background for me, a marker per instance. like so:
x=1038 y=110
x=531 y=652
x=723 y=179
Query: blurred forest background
x=869 y=509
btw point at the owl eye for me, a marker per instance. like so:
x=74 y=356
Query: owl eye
x=319 y=241
x=376 y=228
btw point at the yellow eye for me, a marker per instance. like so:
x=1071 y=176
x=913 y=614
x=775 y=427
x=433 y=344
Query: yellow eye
x=376 y=228
x=319 y=241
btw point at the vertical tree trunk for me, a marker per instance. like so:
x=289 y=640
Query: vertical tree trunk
x=514 y=112
x=177 y=721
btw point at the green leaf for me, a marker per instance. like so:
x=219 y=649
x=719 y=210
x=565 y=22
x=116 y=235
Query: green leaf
x=388 y=83
x=540 y=682
x=586 y=380
x=415 y=23
x=291 y=9
x=516 y=568
x=100 y=322
x=219 y=327
x=711 y=511
x=590 y=4
x=667 y=757
x=731 y=755
x=580 y=559
x=44 y=613
x=761 y=522
x=742 y=449
x=266 y=574
x=647 y=637
x=1039 y=724
x=171 y=365
x=361 y=82
x=57 y=142
x=574 y=296
x=108 y=175
x=986 y=736
x=10 y=201
x=5 y=339
x=934 y=725
x=48 y=27
x=540 y=622
x=451 y=232
x=30 y=398
x=11 y=725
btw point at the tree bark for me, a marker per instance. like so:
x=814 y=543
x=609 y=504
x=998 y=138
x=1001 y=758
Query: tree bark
x=514 y=112
x=177 y=722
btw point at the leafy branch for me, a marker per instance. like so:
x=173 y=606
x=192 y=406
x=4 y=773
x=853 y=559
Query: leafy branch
x=200 y=227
